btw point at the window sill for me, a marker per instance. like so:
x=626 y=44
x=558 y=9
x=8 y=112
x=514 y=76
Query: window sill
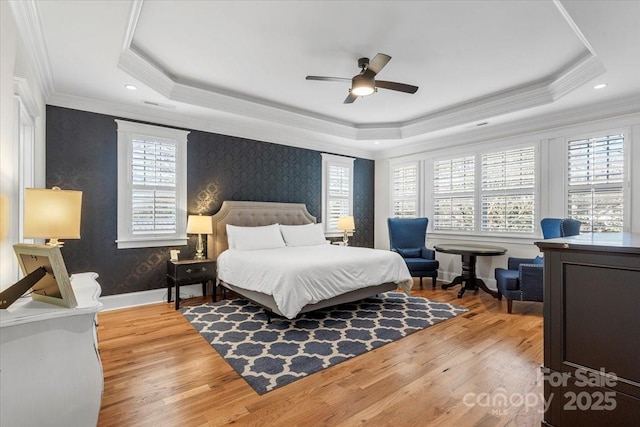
x=486 y=238
x=151 y=243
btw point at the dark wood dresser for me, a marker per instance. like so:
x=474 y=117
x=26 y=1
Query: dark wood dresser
x=591 y=369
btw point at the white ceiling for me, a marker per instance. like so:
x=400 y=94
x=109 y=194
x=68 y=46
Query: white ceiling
x=243 y=63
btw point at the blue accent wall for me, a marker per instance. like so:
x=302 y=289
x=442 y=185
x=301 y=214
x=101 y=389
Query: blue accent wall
x=82 y=155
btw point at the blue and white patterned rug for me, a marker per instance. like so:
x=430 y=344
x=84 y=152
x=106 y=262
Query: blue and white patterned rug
x=270 y=355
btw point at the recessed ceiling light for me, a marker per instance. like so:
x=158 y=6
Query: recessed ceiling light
x=600 y=86
x=131 y=87
x=376 y=142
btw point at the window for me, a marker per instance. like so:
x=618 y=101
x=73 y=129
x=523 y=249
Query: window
x=152 y=185
x=27 y=111
x=405 y=190
x=595 y=182
x=454 y=194
x=507 y=190
x=337 y=190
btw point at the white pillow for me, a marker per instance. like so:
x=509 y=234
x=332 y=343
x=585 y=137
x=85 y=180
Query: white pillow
x=252 y=238
x=303 y=235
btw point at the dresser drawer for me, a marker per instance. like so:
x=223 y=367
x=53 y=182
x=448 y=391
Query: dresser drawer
x=191 y=270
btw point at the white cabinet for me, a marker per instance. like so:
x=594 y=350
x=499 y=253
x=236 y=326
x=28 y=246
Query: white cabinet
x=50 y=370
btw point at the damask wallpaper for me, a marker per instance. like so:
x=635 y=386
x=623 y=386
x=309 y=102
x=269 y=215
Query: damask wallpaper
x=82 y=155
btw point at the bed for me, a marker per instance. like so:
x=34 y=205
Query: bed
x=368 y=271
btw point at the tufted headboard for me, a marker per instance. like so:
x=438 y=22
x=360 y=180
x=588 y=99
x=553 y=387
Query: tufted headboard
x=252 y=214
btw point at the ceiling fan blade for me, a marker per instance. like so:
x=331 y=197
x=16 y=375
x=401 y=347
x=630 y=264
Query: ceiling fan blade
x=376 y=64
x=350 y=98
x=400 y=87
x=328 y=79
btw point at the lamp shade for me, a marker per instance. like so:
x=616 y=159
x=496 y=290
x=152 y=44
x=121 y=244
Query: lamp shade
x=52 y=214
x=346 y=223
x=199 y=224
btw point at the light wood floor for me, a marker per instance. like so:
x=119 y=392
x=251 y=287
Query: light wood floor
x=160 y=372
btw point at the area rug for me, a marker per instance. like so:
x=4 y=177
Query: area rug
x=270 y=355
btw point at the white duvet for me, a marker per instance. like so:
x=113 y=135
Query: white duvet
x=297 y=276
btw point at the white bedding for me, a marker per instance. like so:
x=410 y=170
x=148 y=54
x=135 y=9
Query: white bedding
x=297 y=276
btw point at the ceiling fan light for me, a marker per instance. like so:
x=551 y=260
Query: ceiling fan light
x=361 y=86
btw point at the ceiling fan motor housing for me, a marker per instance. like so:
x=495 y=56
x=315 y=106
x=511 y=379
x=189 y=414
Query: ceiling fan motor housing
x=363 y=63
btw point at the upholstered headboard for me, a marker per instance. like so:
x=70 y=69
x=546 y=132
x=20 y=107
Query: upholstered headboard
x=252 y=214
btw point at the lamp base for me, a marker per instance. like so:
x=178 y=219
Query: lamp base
x=199 y=248
x=345 y=239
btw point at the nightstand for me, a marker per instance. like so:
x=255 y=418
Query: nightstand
x=188 y=272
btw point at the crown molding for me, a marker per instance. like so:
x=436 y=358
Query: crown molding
x=223 y=102
x=22 y=90
x=584 y=70
x=29 y=25
x=136 y=64
x=480 y=109
x=624 y=111
x=231 y=124
x=144 y=70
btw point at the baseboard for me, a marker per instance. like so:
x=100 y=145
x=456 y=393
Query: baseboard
x=153 y=296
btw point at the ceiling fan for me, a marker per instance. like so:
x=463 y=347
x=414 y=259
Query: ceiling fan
x=364 y=84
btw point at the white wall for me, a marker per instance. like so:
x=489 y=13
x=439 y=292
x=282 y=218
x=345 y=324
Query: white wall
x=551 y=186
x=15 y=63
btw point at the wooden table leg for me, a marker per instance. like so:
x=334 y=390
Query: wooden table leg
x=480 y=284
x=468 y=279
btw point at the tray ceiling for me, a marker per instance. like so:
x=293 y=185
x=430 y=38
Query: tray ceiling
x=474 y=61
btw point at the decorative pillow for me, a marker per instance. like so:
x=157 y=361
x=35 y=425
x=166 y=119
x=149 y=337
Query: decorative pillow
x=538 y=260
x=410 y=252
x=252 y=238
x=303 y=235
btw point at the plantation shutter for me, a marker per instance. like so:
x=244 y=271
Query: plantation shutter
x=453 y=189
x=508 y=191
x=595 y=178
x=153 y=178
x=405 y=191
x=339 y=194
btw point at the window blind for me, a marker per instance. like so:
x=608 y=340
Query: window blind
x=154 y=197
x=339 y=194
x=454 y=194
x=508 y=190
x=405 y=191
x=595 y=178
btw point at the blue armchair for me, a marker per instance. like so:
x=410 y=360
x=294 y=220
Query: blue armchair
x=407 y=237
x=523 y=279
x=559 y=227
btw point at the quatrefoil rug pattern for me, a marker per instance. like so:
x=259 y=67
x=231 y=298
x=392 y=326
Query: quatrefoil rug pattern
x=270 y=355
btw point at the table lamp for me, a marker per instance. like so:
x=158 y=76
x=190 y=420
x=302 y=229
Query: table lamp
x=199 y=224
x=346 y=224
x=52 y=214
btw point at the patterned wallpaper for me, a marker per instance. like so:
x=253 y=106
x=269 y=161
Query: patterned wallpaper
x=82 y=155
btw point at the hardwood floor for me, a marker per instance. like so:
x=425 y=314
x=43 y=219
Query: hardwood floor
x=160 y=372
